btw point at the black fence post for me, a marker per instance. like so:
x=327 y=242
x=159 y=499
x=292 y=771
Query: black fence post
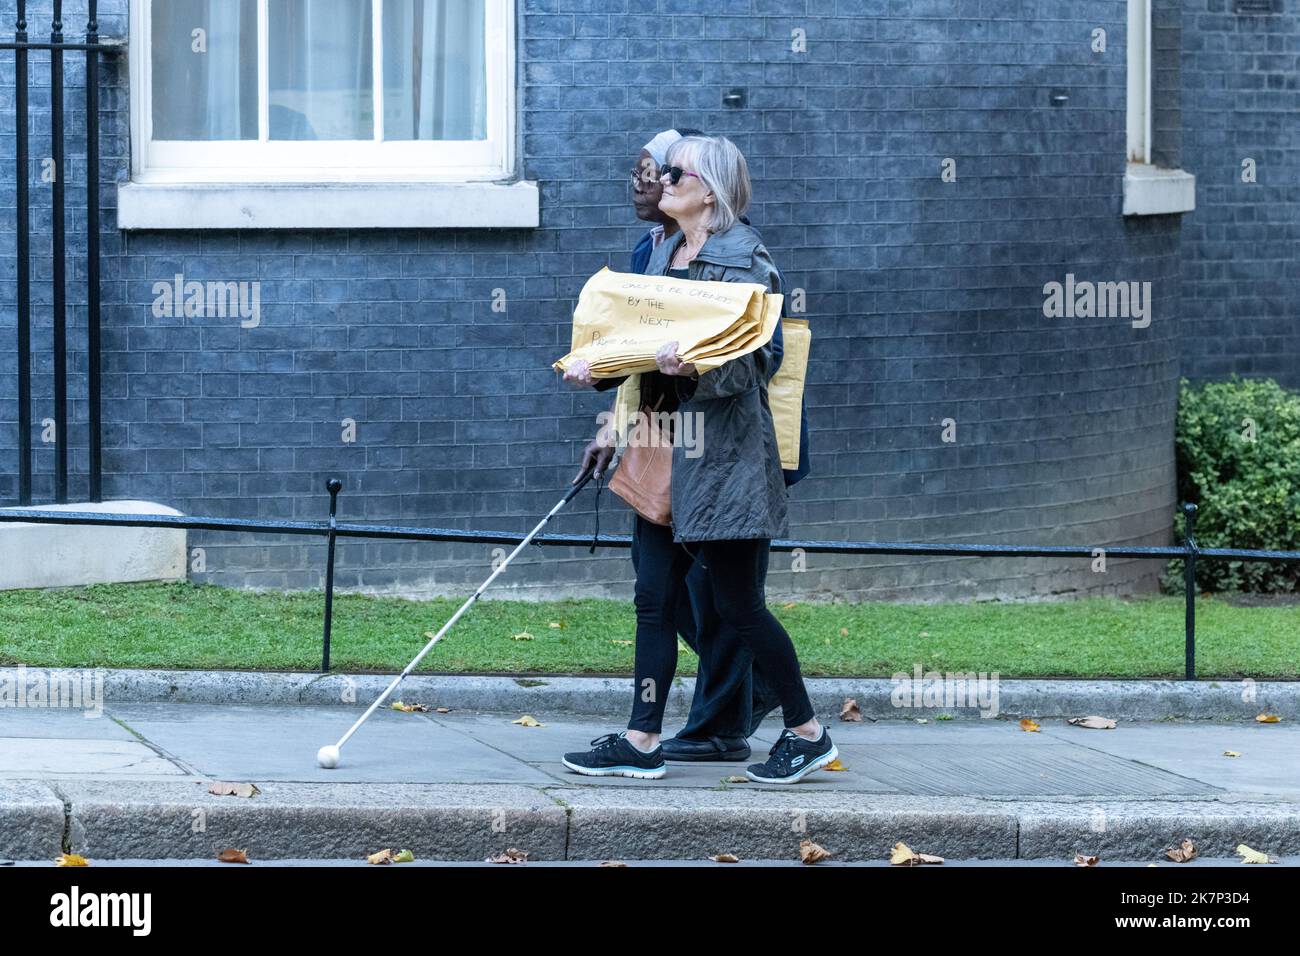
x=22 y=214
x=1189 y=590
x=95 y=439
x=60 y=302
x=334 y=486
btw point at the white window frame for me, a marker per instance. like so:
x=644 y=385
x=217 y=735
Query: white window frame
x=366 y=183
x=1148 y=190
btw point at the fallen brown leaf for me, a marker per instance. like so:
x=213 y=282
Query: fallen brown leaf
x=734 y=779
x=510 y=856
x=528 y=721
x=521 y=636
x=1253 y=856
x=381 y=858
x=1268 y=718
x=725 y=858
x=220 y=788
x=1182 y=853
x=810 y=852
x=844 y=632
x=1093 y=723
x=850 y=710
x=904 y=855
x=71 y=859
x=1081 y=860
x=612 y=863
x=443 y=710
x=410 y=708
x=1029 y=726
x=1232 y=753
x=233 y=856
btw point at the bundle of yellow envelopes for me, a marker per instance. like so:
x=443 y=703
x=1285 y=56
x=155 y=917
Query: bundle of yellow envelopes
x=623 y=319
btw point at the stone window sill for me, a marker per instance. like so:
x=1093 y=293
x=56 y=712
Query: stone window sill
x=459 y=205
x=1152 y=191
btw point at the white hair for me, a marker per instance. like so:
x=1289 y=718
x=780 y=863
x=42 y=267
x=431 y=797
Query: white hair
x=722 y=169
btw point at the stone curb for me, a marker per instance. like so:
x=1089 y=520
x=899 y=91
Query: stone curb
x=878 y=698
x=180 y=820
x=32 y=818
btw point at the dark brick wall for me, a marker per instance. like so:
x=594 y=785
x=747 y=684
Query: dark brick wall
x=925 y=299
x=1241 y=247
x=1167 y=83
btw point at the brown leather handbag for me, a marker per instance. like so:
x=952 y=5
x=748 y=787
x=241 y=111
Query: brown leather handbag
x=644 y=474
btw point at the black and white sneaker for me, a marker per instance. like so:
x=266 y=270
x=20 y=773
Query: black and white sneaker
x=792 y=758
x=613 y=756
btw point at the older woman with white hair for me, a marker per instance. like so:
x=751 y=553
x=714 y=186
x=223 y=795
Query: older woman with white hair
x=729 y=502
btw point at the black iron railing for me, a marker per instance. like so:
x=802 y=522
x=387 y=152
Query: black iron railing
x=93 y=47
x=331 y=529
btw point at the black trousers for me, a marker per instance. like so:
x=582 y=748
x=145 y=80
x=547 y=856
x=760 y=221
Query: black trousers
x=730 y=578
x=731 y=696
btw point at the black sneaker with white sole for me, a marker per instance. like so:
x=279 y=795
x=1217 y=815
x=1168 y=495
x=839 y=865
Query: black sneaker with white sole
x=792 y=758
x=613 y=756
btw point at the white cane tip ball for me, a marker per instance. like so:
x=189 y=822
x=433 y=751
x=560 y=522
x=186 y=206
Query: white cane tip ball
x=328 y=757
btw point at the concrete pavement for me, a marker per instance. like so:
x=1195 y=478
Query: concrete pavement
x=132 y=784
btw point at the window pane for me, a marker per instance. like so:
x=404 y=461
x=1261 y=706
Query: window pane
x=321 y=85
x=435 y=69
x=204 y=56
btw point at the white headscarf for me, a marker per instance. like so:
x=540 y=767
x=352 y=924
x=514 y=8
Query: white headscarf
x=658 y=147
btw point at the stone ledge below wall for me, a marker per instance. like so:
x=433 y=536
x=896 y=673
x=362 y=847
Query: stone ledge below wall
x=36 y=555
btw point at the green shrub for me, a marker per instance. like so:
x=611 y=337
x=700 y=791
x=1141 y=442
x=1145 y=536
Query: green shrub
x=1238 y=454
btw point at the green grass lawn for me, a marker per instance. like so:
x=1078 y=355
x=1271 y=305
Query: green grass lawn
x=188 y=626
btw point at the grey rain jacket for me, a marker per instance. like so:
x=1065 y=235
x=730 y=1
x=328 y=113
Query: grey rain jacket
x=735 y=488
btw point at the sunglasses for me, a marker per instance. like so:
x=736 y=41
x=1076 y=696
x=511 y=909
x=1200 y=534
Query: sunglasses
x=675 y=173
